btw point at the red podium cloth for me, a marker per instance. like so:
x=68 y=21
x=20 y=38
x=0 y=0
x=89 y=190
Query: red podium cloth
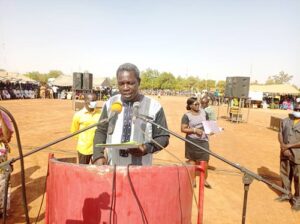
x=140 y=194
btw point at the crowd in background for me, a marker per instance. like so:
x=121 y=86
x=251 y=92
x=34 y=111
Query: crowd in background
x=285 y=102
x=16 y=90
x=55 y=92
x=167 y=92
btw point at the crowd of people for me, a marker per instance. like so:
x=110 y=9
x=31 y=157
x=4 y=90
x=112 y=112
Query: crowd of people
x=15 y=90
x=287 y=102
x=54 y=92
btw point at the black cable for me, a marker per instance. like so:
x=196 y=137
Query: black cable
x=7 y=179
x=113 y=196
x=21 y=164
x=182 y=163
x=179 y=194
x=45 y=186
x=144 y=217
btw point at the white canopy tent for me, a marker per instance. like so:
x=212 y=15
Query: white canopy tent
x=280 y=89
x=15 y=77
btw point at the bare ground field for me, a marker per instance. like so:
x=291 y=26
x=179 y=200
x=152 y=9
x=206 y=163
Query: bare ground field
x=251 y=144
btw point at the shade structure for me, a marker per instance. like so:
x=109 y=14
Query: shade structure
x=106 y=194
x=281 y=89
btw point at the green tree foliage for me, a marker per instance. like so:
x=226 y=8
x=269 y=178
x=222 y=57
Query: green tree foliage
x=43 y=78
x=191 y=82
x=210 y=84
x=280 y=78
x=149 y=79
x=113 y=81
x=166 y=80
x=221 y=86
x=54 y=73
x=179 y=83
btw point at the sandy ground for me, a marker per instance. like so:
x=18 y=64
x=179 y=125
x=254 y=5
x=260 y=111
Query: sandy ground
x=251 y=144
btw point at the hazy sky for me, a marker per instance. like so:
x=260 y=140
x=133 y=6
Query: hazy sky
x=209 y=39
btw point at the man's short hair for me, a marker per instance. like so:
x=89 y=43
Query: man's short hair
x=128 y=67
x=205 y=99
x=86 y=95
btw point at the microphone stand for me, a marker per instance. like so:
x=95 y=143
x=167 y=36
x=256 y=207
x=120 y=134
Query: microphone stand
x=7 y=166
x=248 y=174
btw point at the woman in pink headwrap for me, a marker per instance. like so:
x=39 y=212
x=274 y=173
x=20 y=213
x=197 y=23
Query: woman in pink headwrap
x=6 y=131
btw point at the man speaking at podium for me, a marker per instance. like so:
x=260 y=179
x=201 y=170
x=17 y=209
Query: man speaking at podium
x=124 y=127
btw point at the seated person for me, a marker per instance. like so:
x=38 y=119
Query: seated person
x=5 y=94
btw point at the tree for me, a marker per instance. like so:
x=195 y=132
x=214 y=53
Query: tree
x=270 y=81
x=210 y=84
x=179 y=83
x=191 y=82
x=280 y=78
x=42 y=78
x=221 y=86
x=149 y=79
x=113 y=81
x=166 y=80
x=54 y=73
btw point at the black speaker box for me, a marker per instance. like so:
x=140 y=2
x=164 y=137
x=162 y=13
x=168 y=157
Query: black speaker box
x=77 y=80
x=237 y=87
x=87 y=81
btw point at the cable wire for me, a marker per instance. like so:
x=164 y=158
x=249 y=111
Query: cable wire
x=144 y=217
x=113 y=197
x=45 y=186
x=178 y=159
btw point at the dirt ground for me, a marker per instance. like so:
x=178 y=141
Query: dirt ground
x=251 y=144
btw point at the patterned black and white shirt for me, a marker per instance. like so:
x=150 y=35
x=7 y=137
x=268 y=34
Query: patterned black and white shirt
x=123 y=129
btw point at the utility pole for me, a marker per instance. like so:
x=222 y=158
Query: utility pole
x=205 y=84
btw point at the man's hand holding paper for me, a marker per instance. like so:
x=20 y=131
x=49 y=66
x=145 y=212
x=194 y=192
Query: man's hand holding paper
x=140 y=151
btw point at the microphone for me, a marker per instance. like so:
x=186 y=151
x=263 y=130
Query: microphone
x=136 y=114
x=135 y=111
x=115 y=109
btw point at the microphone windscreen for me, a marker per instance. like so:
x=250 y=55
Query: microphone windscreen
x=116 y=107
x=135 y=110
x=136 y=105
